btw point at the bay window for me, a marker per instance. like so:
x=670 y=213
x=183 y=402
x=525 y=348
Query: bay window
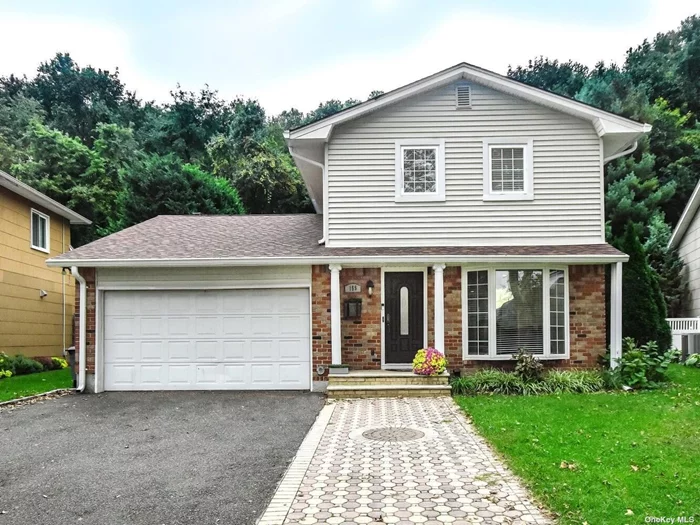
x=507 y=309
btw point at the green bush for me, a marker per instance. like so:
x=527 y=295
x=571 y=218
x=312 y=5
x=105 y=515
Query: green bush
x=52 y=363
x=20 y=365
x=528 y=367
x=693 y=360
x=492 y=381
x=641 y=367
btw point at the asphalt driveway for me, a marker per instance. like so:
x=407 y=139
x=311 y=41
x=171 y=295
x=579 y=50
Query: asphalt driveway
x=149 y=458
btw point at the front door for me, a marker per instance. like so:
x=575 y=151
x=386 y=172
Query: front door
x=403 y=316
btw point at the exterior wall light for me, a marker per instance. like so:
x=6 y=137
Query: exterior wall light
x=370 y=288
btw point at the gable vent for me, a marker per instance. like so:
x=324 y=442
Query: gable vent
x=463 y=93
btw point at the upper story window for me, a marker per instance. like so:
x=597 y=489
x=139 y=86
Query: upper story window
x=39 y=231
x=508 y=169
x=420 y=170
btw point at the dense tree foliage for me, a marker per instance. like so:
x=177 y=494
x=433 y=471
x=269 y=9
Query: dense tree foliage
x=658 y=83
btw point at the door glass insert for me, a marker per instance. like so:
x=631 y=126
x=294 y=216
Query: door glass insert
x=403 y=305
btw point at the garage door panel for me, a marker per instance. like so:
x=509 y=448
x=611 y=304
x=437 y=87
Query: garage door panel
x=180 y=326
x=236 y=351
x=219 y=339
x=152 y=351
x=236 y=325
x=207 y=302
x=294 y=350
x=208 y=326
x=178 y=375
x=207 y=351
x=151 y=327
x=293 y=325
x=178 y=350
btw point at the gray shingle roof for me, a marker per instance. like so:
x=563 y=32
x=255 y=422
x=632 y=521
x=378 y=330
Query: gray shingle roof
x=245 y=237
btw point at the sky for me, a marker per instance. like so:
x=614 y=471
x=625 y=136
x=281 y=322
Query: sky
x=298 y=53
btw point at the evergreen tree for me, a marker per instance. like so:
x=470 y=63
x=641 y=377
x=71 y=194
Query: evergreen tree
x=643 y=307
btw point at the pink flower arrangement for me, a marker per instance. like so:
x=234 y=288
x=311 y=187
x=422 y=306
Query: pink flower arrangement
x=429 y=362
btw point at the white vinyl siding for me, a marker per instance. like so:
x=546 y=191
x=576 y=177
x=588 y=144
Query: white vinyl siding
x=567 y=184
x=689 y=250
x=175 y=278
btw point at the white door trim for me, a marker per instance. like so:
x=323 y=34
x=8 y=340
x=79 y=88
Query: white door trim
x=99 y=311
x=424 y=269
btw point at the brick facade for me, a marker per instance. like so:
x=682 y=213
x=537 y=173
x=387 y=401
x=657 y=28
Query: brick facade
x=89 y=276
x=361 y=338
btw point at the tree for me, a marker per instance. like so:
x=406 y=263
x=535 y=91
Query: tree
x=565 y=78
x=190 y=122
x=164 y=186
x=56 y=165
x=16 y=113
x=667 y=265
x=643 y=308
x=633 y=194
x=76 y=99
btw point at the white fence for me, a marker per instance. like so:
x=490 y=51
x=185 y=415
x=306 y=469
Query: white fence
x=684 y=325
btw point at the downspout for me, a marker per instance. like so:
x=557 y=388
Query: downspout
x=323 y=174
x=621 y=154
x=82 y=322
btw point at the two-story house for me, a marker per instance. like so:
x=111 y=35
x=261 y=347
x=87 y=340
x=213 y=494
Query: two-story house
x=464 y=211
x=36 y=302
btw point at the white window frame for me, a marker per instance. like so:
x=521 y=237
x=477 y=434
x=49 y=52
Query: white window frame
x=492 y=356
x=528 y=191
x=436 y=144
x=31 y=231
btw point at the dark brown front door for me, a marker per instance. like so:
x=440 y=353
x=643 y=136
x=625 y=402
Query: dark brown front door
x=403 y=316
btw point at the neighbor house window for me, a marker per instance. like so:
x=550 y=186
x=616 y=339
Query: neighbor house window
x=39 y=231
x=508 y=169
x=420 y=170
x=512 y=308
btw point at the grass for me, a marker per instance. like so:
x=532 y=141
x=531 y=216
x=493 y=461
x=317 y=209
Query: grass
x=598 y=458
x=31 y=384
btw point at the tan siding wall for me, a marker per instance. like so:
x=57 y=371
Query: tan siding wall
x=31 y=325
x=689 y=250
x=567 y=176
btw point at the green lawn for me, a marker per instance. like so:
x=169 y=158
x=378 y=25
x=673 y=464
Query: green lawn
x=31 y=384
x=637 y=452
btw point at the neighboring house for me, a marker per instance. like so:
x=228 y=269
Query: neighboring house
x=686 y=239
x=36 y=302
x=464 y=211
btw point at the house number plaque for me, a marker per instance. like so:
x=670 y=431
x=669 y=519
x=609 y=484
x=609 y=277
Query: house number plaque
x=353 y=288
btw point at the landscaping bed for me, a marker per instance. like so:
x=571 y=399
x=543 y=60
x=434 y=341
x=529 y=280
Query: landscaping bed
x=607 y=457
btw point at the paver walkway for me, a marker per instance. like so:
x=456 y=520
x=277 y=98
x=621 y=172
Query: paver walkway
x=398 y=461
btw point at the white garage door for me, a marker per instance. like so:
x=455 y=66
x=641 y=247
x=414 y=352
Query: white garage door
x=206 y=340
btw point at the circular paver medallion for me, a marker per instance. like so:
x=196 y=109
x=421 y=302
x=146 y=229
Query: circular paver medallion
x=393 y=434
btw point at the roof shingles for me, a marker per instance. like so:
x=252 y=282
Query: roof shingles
x=193 y=237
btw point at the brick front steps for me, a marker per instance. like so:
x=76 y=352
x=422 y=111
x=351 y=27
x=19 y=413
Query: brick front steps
x=386 y=383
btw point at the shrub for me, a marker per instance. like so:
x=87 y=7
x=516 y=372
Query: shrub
x=642 y=366
x=5 y=373
x=492 y=381
x=528 y=367
x=20 y=365
x=643 y=305
x=693 y=360
x=429 y=362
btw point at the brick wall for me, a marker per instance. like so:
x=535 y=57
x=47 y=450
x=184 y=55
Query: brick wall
x=89 y=276
x=587 y=322
x=320 y=317
x=362 y=338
